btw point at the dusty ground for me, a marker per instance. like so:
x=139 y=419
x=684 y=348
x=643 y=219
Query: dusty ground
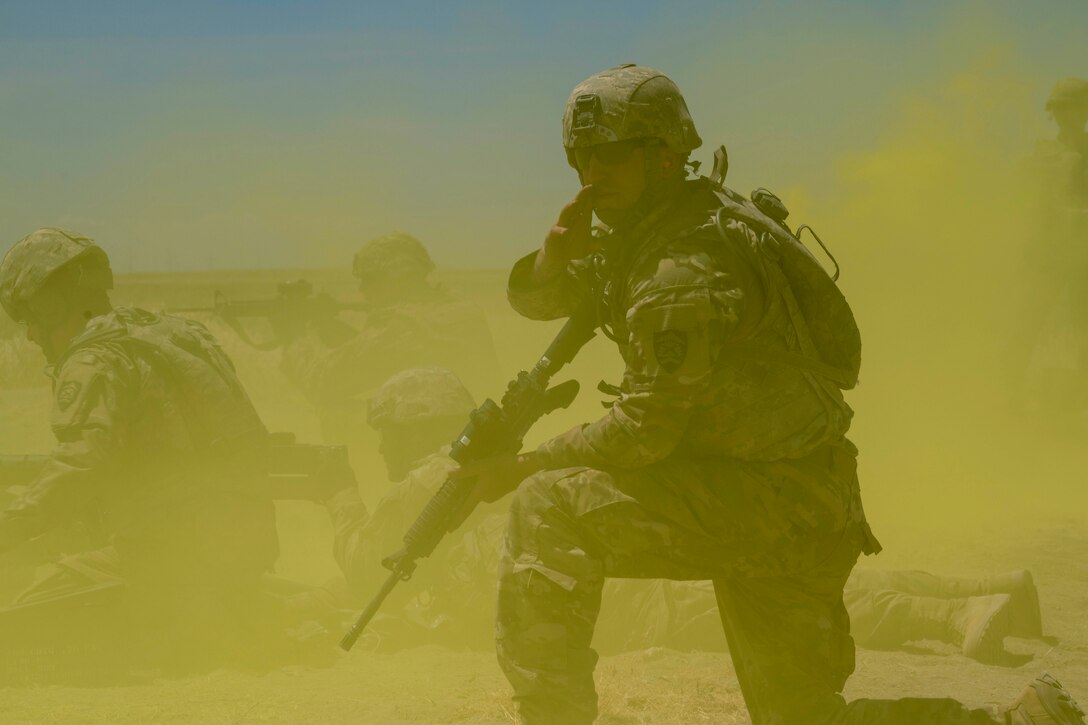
x=963 y=487
x=430 y=685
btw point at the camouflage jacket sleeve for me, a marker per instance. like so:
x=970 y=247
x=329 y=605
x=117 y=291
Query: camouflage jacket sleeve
x=327 y=374
x=303 y=361
x=558 y=297
x=349 y=521
x=90 y=395
x=362 y=538
x=681 y=308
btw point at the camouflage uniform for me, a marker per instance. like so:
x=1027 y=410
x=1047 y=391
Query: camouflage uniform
x=452 y=600
x=425 y=326
x=710 y=465
x=154 y=436
x=158 y=444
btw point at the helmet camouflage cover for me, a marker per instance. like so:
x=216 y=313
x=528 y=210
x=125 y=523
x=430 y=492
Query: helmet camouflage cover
x=30 y=263
x=1068 y=92
x=419 y=394
x=393 y=255
x=628 y=102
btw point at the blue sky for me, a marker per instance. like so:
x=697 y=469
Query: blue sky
x=188 y=135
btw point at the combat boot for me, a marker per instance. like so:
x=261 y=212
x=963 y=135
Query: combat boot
x=1024 y=617
x=978 y=625
x=1044 y=702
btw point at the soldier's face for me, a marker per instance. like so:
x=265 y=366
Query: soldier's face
x=53 y=339
x=399 y=449
x=619 y=173
x=51 y=325
x=617 y=184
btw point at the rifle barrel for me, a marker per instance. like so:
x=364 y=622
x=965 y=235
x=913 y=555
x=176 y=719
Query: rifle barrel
x=356 y=630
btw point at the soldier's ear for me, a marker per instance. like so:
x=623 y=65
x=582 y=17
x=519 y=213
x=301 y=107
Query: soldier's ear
x=670 y=161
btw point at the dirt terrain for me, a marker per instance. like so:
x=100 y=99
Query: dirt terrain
x=965 y=487
x=431 y=685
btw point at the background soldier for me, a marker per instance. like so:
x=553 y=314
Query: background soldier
x=711 y=464
x=1067 y=153
x=157 y=443
x=1051 y=347
x=410 y=322
x=416 y=414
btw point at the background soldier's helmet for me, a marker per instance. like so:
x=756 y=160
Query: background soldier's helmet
x=37 y=257
x=392 y=256
x=417 y=395
x=628 y=102
x=1068 y=92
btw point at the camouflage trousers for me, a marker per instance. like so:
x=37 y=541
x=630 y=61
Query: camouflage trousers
x=778 y=539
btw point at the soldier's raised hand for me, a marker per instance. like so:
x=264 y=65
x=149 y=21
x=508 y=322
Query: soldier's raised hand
x=569 y=238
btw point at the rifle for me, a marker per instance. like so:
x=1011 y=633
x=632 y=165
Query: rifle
x=491 y=429
x=294 y=305
x=296 y=471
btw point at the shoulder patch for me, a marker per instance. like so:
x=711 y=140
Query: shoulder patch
x=67 y=393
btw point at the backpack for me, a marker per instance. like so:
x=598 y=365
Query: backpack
x=826 y=329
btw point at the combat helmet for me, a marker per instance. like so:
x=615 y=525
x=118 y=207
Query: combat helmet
x=1068 y=92
x=392 y=256
x=419 y=394
x=35 y=260
x=628 y=102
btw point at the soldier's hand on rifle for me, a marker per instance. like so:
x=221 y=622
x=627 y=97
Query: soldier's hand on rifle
x=570 y=237
x=495 y=477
